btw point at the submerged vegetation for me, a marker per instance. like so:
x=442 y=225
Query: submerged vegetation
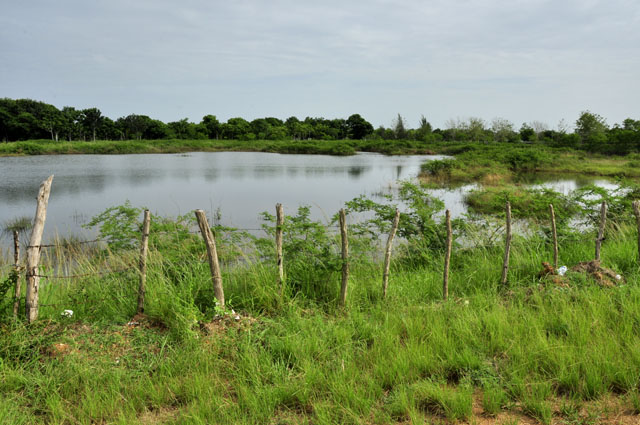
x=554 y=349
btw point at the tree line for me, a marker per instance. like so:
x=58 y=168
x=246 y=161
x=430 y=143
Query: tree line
x=26 y=119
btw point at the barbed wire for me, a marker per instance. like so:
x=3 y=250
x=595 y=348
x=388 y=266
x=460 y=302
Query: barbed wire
x=175 y=232
x=72 y=301
x=84 y=274
x=39 y=305
x=53 y=305
x=63 y=243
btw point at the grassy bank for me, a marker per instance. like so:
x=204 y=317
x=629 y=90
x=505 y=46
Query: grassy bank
x=323 y=147
x=495 y=163
x=491 y=163
x=541 y=350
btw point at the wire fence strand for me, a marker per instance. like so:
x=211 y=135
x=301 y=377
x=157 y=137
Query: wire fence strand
x=75 y=276
x=62 y=244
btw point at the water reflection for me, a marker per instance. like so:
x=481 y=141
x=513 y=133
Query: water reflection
x=211 y=175
x=241 y=184
x=398 y=171
x=356 y=171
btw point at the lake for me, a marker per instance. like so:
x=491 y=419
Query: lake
x=239 y=185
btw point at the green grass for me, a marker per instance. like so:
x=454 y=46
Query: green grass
x=408 y=358
x=317 y=147
x=500 y=163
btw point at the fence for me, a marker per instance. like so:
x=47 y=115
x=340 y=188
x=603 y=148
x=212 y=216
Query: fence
x=35 y=246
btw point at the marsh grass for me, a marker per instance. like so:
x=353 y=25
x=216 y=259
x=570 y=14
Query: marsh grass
x=503 y=163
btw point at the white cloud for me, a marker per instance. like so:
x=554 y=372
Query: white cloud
x=524 y=60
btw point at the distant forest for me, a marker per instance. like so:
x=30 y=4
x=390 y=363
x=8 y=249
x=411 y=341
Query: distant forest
x=26 y=119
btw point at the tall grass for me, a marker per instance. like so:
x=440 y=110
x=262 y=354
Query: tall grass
x=301 y=359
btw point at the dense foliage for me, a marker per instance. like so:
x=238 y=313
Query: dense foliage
x=26 y=119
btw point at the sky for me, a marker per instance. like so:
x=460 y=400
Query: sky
x=521 y=60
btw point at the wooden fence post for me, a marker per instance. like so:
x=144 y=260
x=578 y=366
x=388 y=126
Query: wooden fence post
x=279 y=224
x=447 y=258
x=603 y=222
x=144 y=249
x=33 y=250
x=345 y=257
x=210 y=242
x=555 y=237
x=387 y=253
x=636 y=210
x=507 y=248
x=16 y=269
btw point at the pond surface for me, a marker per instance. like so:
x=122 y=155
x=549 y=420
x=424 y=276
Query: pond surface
x=239 y=185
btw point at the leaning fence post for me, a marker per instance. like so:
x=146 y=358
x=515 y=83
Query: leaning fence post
x=33 y=250
x=387 y=253
x=555 y=237
x=447 y=257
x=16 y=269
x=144 y=249
x=603 y=222
x=210 y=242
x=636 y=210
x=345 y=257
x=507 y=248
x=279 y=225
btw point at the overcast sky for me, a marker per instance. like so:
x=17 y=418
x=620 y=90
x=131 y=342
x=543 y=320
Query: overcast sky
x=517 y=59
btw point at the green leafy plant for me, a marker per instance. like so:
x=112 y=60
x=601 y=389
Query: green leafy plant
x=310 y=252
x=119 y=226
x=418 y=224
x=589 y=198
x=439 y=167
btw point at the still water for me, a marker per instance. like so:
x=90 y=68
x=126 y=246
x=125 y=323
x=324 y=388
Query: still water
x=239 y=185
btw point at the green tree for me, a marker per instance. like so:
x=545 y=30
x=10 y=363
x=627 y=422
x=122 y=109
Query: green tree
x=212 y=126
x=91 y=118
x=261 y=128
x=108 y=130
x=503 y=130
x=156 y=130
x=424 y=129
x=527 y=133
x=592 y=130
x=399 y=128
x=53 y=120
x=180 y=128
x=71 y=122
x=475 y=128
x=291 y=124
x=357 y=127
x=631 y=124
x=277 y=129
x=236 y=128
x=5 y=119
x=133 y=126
